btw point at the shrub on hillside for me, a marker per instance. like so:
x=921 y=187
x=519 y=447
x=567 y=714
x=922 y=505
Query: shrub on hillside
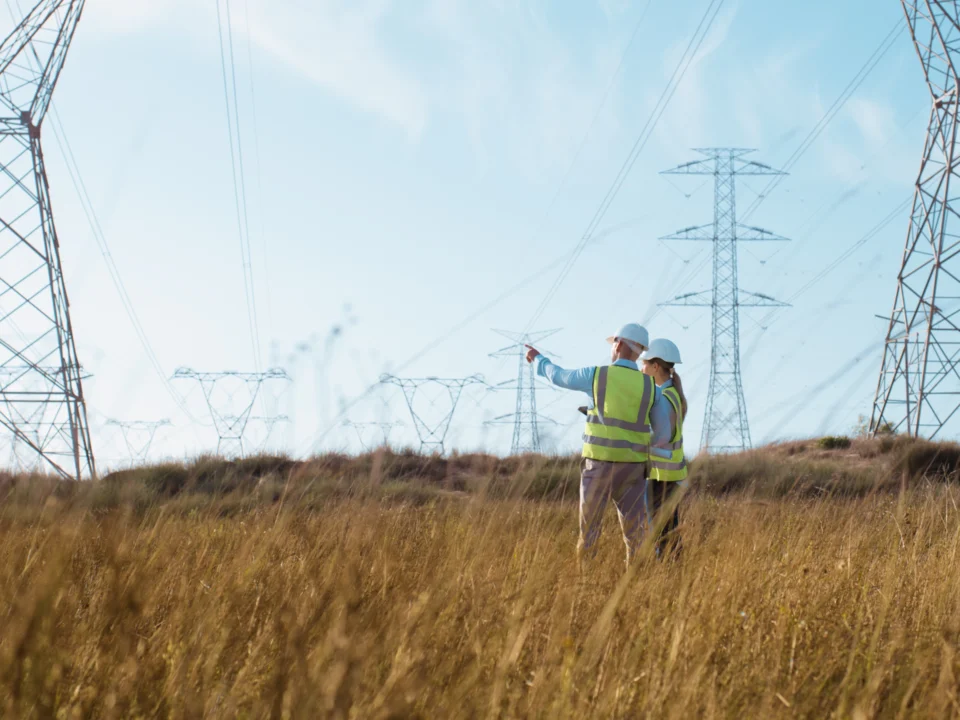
x=764 y=474
x=922 y=458
x=831 y=442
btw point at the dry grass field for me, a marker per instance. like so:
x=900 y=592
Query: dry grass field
x=361 y=589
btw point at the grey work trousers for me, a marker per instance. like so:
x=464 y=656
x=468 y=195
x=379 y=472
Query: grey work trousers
x=599 y=482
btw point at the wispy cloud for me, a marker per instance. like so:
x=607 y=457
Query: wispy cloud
x=873 y=119
x=686 y=120
x=336 y=44
x=518 y=85
x=339 y=46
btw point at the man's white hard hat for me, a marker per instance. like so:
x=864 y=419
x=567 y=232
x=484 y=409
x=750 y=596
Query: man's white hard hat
x=662 y=349
x=635 y=335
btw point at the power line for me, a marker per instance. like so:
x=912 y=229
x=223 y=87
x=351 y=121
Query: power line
x=86 y=203
x=243 y=185
x=256 y=150
x=600 y=106
x=457 y=327
x=845 y=255
x=859 y=77
x=683 y=65
x=239 y=184
x=686 y=60
x=875 y=57
x=870 y=234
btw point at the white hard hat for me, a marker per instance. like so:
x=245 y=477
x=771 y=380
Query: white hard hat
x=662 y=349
x=634 y=334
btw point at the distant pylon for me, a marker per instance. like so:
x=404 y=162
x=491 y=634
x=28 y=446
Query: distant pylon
x=38 y=354
x=138 y=436
x=725 y=425
x=918 y=390
x=269 y=423
x=384 y=427
x=432 y=434
x=232 y=406
x=525 y=419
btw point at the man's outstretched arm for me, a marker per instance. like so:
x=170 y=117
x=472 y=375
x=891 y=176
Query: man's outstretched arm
x=581 y=379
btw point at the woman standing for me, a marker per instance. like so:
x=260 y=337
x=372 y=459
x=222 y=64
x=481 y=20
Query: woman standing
x=668 y=466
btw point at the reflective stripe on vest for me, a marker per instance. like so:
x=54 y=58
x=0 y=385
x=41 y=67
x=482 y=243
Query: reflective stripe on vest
x=618 y=426
x=674 y=468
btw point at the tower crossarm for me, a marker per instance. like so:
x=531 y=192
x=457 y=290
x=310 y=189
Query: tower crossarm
x=510 y=419
x=734 y=156
x=32 y=57
x=708 y=233
x=750 y=233
x=752 y=299
x=445 y=382
x=704 y=298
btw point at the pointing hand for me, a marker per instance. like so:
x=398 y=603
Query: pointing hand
x=532 y=353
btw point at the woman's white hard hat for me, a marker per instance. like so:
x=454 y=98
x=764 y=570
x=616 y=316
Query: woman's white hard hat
x=634 y=334
x=662 y=349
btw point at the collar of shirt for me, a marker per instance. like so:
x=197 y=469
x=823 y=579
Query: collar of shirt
x=627 y=364
x=668 y=383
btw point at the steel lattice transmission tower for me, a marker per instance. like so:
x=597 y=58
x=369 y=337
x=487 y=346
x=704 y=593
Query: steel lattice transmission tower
x=525 y=419
x=432 y=433
x=230 y=397
x=725 y=425
x=385 y=428
x=918 y=390
x=41 y=396
x=269 y=423
x=138 y=436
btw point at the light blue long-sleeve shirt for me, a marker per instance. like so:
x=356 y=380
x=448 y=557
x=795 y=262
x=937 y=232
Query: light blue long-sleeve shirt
x=672 y=418
x=582 y=380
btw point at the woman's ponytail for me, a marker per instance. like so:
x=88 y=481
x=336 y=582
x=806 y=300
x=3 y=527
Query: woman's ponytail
x=679 y=386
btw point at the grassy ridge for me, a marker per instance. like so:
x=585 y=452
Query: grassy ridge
x=377 y=587
x=796 y=469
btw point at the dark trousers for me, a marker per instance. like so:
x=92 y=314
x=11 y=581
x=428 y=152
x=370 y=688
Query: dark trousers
x=663 y=509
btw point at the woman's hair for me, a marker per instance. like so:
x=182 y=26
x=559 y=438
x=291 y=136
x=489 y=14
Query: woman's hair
x=668 y=366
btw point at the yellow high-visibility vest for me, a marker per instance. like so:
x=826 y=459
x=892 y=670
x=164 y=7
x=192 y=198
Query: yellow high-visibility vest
x=674 y=468
x=618 y=425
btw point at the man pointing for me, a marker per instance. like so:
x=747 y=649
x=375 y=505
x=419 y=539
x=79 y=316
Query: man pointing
x=627 y=416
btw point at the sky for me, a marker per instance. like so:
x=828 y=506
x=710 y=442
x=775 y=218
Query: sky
x=407 y=163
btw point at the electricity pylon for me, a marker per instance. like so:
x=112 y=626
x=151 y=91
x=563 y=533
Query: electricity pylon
x=384 y=427
x=432 y=433
x=525 y=419
x=230 y=398
x=918 y=390
x=269 y=423
x=725 y=425
x=138 y=436
x=41 y=389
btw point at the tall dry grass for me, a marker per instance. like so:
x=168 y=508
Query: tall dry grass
x=474 y=607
